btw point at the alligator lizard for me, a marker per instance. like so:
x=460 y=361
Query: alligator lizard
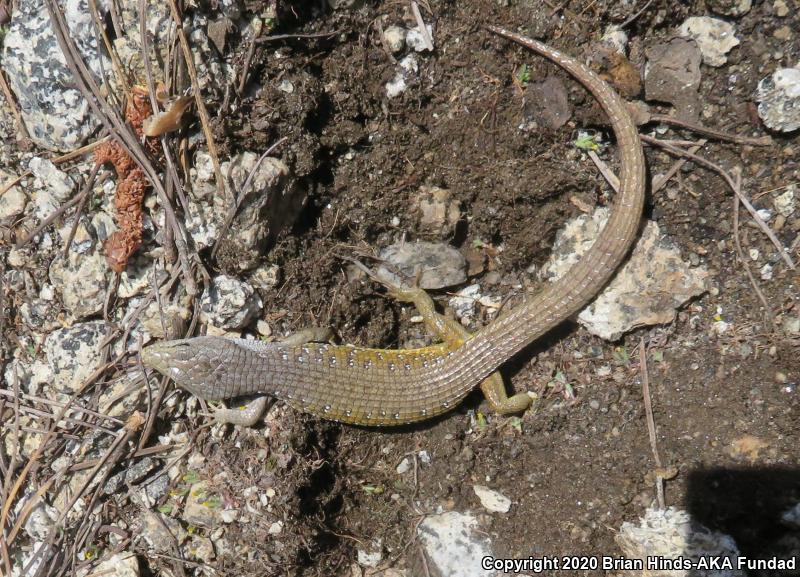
x=392 y=387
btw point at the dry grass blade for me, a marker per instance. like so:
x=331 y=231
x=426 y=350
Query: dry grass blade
x=743 y=260
x=205 y=120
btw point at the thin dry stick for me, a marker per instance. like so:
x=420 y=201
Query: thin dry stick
x=423 y=29
x=607 y=173
x=12 y=104
x=711 y=132
x=659 y=181
x=205 y=120
x=651 y=423
x=742 y=259
x=277 y=37
x=727 y=177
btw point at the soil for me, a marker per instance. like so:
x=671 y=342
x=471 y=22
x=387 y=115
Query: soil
x=579 y=463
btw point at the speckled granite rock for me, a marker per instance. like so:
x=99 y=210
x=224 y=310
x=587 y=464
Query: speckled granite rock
x=55 y=112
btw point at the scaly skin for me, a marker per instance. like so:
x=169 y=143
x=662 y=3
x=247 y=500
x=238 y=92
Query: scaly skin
x=392 y=387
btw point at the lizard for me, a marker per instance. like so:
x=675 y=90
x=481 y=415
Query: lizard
x=385 y=387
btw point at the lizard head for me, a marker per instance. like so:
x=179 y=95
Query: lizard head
x=191 y=363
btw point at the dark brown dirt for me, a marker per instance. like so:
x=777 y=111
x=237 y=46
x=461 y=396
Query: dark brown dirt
x=576 y=469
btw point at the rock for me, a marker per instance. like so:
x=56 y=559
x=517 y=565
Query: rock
x=791 y=325
x=404 y=466
x=781 y=9
x=53 y=187
x=463 y=303
x=440 y=264
x=730 y=7
x=783 y=33
x=174 y=314
x=265 y=277
x=492 y=500
x=74 y=353
x=455 y=545
x=671 y=533
x=229 y=303
x=39 y=315
x=83 y=241
x=548 y=104
x=615 y=38
x=672 y=75
x=646 y=291
x=122 y=564
x=272 y=202
x=395 y=38
x=416 y=41
x=81 y=280
x=158 y=531
x=407 y=70
x=41 y=520
x=201 y=548
x=779 y=99
x=438 y=211
x=214 y=75
x=55 y=112
x=372 y=556
x=202 y=507
x=13 y=201
x=139 y=276
x=714 y=37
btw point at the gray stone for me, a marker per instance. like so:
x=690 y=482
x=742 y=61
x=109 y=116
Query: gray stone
x=52 y=187
x=229 y=303
x=158 y=531
x=13 y=201
x=202 y=507
x=438 y=211
x=779 y=99
x=730 y=7
x=81 y=280
x=272 y=202
x=74 y=353
x=407 y=70
x=439 y=265
x=55 y=112
x=673 y=75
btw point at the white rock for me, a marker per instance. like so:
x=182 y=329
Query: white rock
x=492 y=500
x=616 y=38
x=416 y=41
x=122 y=564
x=766 y=272
x=395 y=38
x=407 y=70
x=455 y=545
x=229 y=303
x=81 y=280
x=372 y=556
x=785 y=203
x=276 y=528
x=648 y=289
x=74 y=353
x=404 y=466
x=714 y=37
x=672 y=533
x=13 y=202
x=779 y=99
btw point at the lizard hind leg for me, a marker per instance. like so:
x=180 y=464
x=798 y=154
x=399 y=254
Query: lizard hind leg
x=453 y=333
x=250 y=412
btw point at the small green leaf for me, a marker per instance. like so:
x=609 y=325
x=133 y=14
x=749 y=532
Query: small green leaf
x=586 y=142
x=524 y=75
